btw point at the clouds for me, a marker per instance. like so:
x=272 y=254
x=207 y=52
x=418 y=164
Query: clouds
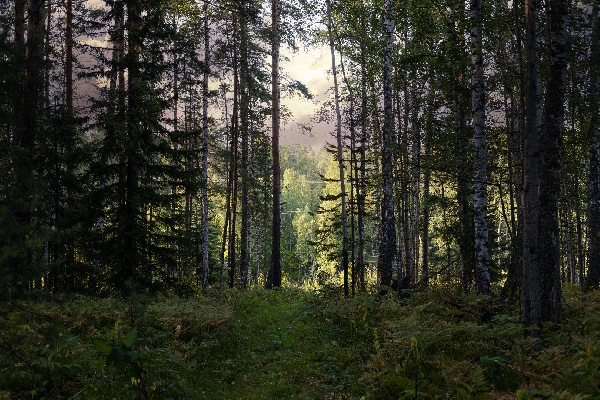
x=311 y=68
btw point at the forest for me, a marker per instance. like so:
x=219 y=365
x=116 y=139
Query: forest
x=158 y=241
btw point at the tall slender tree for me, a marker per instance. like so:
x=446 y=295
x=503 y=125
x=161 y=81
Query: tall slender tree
x=531 y=202
x=274 y=280
x=387 y=239
x=592 y=280
x=204 y=177
x=551 y=161
x=27 y=110
x=482 y=257
x=245 y=132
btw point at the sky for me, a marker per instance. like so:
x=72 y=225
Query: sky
x=312 y=68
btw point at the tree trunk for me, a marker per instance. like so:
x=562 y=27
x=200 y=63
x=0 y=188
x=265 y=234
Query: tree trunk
x=482 y=257
x=387 y=240
x=19 y=22
x=551 y=156
x=465 y=211
x=24 y=139
x=47 y=53
x=363 y=143
x=406 y=232
x=132 y=206
x=69 y=54
x=592 y=279
x=275 y=272
x=204 y=176
x=227 y=195
x=510 y=288
x=416 y=178
x=245 y=104
x=234 y=157
x=531 y=202
x=426 y=179
x=70 y=250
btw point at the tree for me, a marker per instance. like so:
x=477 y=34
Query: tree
x=593 y=275
x=339 y=154
x=274 y=279
x=551 y=161
x=235 y=128
x=21 y=206
x=531 y=248
x=204 y=177
x=387 y=240
x=482 y=258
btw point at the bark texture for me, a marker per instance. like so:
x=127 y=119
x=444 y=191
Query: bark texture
x=204 y=176
x=132 y=205
x=275 y=272
x=551 y=162
x=482 y=257
x=244 y=130
x=592 y=278
x=531 y=201
x=234 y=157
x=387 y=239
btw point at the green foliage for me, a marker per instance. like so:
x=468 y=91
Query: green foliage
x=499 y=373
x=122 y=355
x=58 y=347
x=290 y=343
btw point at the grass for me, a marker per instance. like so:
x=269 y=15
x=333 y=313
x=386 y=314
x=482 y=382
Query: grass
x=294 y=344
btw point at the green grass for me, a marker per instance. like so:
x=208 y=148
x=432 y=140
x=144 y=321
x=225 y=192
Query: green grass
x=294 y=344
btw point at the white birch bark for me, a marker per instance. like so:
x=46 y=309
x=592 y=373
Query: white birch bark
x=593 y=275
x=204 y=176
x=387 y=244
x=482 y=257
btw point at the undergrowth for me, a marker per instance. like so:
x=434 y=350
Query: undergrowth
x=294 y=344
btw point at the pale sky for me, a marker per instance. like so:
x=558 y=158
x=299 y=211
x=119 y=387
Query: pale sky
x=312 y=69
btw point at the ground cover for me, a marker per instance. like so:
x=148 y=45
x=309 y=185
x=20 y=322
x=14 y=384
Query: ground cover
x=294 y=344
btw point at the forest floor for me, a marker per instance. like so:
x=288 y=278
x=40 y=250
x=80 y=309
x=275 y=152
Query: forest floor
x=294 y=344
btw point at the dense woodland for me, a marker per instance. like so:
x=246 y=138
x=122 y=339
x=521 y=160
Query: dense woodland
x=140 y=166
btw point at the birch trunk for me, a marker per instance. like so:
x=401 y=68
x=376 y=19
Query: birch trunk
x=465 y=211
x=531 y=202
x=361 y=197
x=245 y=104
x=387 y=242
x=204 y=176
x=416 y=189
x=482 y=257
x=406 y=235
x=592 y=279
x=426 y=179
